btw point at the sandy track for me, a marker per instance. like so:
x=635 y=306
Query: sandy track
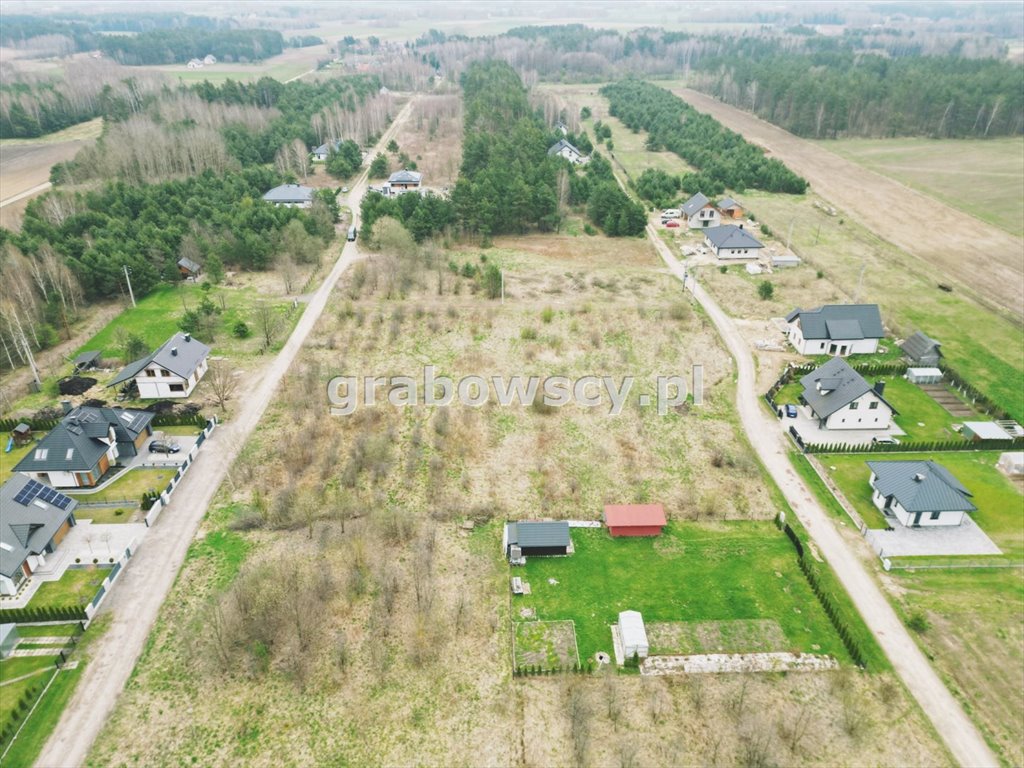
x=981 y=257
x=135 y=602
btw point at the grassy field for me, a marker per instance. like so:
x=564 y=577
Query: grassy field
x=692 y=573
x=991 y=169
x=130 y=485
x=406 y=616
x=76 y=587
x=90 y=129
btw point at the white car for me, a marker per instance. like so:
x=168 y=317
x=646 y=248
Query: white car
x=671 y=213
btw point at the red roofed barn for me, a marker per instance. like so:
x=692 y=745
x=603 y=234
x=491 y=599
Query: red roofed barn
x=634 y=519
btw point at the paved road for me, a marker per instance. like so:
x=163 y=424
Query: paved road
x=135 y=601
x=27 y=193
x=946 y=714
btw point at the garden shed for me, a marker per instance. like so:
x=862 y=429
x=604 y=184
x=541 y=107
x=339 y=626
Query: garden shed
x=984 y=430
x=537 y=538
x=634 y=519
x=22 y=434
x=633 y=635
x=924 y=375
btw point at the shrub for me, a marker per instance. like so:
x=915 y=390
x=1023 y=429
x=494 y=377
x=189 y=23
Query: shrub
x=723 y=269
x=765 y=290
x=547 y=315
x=919 y=622
x=241 y=330
x=528 y=334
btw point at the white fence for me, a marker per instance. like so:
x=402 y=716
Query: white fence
x=166 y=493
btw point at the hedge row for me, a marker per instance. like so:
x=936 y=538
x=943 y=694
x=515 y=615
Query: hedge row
x=49 y=613
x=838 y=621
x=934 y=446
x=528 y=670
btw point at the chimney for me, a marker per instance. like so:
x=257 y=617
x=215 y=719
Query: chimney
x=174 y=351
x=741 y=226
x=919 y=477
x=188 y=337
x=65 y=406
x=880 y=388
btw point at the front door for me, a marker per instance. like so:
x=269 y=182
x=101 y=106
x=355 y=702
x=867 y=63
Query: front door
x=917 y=519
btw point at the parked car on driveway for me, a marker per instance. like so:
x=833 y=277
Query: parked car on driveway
x=671 y=223
x=162 y=446
x=791 y=411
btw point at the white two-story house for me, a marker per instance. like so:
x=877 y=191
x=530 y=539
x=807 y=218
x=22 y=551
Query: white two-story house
x=840 y=398
x=919 y=493
x=836 y=329
x=699 y=213
x=171 y=371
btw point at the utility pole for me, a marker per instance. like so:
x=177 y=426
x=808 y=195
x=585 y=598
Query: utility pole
x=129 y=281
x=503 y=286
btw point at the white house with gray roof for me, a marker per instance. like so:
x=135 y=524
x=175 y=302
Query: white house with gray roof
x=919 y=493
x=172 y=371
x=321 y=153
x=85 y=444
x=840 y=398
x=403 y=181
x=34 y=518
x=731 y=242
x=699 y=213
x=290 y=196
x=565 y=149
x=836 y=329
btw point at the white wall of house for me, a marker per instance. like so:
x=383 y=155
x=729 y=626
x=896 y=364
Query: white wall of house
x=7 y=586
x=868 y=411
x=573 y=157
x=56 y=479
x=736 y=253
x=827 y=346
x=706 y=218
x=947 y=517
x=155 y=382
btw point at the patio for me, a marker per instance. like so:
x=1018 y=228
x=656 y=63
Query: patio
x=964 y=539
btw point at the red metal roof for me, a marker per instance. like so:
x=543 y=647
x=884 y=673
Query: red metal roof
x=630 y=515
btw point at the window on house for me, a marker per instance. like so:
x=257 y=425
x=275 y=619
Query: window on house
x=164 y=372
x=177 y=387
x=854 y=405
x=150 y=372
x=935 y=515
x=873 y=405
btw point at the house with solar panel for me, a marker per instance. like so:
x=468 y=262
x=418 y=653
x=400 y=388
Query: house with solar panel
x=34 y=518
x=919 y=493
x=85 y=444
x=836 y=329
x=172 y=371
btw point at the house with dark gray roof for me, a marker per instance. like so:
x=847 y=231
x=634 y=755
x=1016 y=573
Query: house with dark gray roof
x=188 y=268
x=34 y=518
x=836 y=329
x=733 y=242
x=699 y=213
x=565 y=149
x=85 y=444
x=535 y=538
x=321 y=153
x=172 y=371
x=840 y=398
x=919 y=493
x=403 y=181
x=922 y=349
x=290 y=195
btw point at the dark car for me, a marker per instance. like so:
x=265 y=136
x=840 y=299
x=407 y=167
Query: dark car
x=161 y=446
x=791 y=411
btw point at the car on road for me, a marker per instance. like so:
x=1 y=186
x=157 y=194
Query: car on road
x=884 y=440
x=162 y=446
x=671 y=223
x=791 y=411
x=344 y=190
x=352 y=232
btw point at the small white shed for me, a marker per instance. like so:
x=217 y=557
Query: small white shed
x=633 y=634
x=1011 y=463
x=924 y=375
x=783 y=260
x=984 y=430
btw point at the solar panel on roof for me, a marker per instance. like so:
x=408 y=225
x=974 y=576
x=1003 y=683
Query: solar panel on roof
x=35 y=489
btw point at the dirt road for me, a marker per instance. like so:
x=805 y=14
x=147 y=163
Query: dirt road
x=946 y=714
x=135 y=601
x=955 y=246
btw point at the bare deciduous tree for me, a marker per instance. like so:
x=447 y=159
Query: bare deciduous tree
x=223 y=381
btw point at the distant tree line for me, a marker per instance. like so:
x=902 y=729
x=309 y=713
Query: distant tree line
x=720 y=155
x=173 y=46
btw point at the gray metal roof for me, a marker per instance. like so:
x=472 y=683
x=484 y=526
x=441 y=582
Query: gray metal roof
x=188 y=264
x=840 y=386
x=26 y=529
x=331 y=146
x=731 y=236
x=921 y=486
x=86 y=358
x=694 y=204
x=728 y=202
x=405 y=176
x=561 y=144
x=181 y=355
x=289 y=193
x=919 y=345
x=539 y=534
x=77 y=442
x=839 y=318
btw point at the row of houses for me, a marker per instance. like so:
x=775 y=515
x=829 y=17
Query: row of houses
x=301 y=196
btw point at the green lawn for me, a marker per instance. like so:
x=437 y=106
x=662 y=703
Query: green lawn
x=999 y=503
x=918 y=415
x=77 y=586
x=130 y=485
x=990 y=168
x=34 y=735
x=692 y=573
x=48 y=630
x=11 y=693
